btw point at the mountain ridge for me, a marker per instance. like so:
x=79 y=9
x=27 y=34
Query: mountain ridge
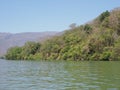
x=8 y=40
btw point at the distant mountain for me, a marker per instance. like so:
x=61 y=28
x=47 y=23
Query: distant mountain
x=8 y=40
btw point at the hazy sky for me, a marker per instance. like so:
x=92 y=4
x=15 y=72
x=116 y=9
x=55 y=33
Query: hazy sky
x=49 y=15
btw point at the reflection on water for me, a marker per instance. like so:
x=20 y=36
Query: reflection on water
x=59 y=75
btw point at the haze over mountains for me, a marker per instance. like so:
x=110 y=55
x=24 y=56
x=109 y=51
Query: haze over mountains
x=8 y=40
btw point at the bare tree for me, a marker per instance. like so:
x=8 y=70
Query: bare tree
x=73 y=25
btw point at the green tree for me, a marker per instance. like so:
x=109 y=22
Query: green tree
x=14 y=53
x=88 y=28
x=30 y=48
x=104 y=15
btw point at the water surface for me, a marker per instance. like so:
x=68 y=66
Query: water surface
x=59 y=75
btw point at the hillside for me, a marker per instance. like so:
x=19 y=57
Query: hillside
x=96 y=40
x=8 y=40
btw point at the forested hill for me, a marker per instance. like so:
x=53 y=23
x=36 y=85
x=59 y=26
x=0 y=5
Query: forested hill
x=8 y=40
x=96 y=40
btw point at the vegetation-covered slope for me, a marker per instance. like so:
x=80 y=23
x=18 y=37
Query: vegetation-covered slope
x=8 y=40
x=97 y=40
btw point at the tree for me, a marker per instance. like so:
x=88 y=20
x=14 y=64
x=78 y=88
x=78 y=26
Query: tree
x=14 y=53
x=73 y=25
x=87 y=28
x=104 y=15
x=30 y=48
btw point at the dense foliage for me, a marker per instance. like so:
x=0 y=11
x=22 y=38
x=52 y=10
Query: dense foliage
x=97 y=40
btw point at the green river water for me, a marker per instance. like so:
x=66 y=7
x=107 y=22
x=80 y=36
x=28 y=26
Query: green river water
x=59 y=75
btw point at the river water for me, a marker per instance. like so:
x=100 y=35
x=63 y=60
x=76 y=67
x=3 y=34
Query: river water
x=59 y=75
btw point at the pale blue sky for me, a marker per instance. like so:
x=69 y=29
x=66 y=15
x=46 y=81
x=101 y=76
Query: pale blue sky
x=49 y=15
